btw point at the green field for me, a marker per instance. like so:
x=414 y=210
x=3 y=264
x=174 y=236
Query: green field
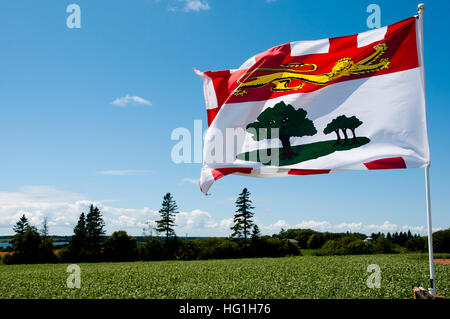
x=289 y=277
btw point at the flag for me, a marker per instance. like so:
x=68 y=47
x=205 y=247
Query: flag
x=315 y=107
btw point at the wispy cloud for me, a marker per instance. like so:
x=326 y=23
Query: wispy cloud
x=190 y=180
x=343 y=227
x=191 y=5
x=127 y=99
x=196 y=5
x=122 y=172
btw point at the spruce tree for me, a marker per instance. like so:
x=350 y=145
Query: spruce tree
x=255 y=232
x=94 y=230
x=167 y=221
x=22 y=225
x=243 y=222
x=79 y=238
x=44 y=229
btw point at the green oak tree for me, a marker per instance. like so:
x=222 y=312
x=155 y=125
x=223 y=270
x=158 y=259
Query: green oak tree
x=352 y=124
x=343 y=123
x=333 y=127
x=283 y=122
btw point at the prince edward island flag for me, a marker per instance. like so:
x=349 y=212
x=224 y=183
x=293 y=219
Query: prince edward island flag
x=315 y=107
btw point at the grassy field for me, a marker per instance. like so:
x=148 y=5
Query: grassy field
x=290 y=277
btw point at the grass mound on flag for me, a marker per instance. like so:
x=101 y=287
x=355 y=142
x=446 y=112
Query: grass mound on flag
x=303 y=152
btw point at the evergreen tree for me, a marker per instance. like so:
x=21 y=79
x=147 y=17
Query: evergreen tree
x=79 y=238
x=243 y=222
x=167 y=221
x=94 y=230
x=44 y=229
x=255 y=232
x=22 y=225
x=28 y=246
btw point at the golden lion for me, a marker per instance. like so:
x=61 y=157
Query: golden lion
x=283 y=76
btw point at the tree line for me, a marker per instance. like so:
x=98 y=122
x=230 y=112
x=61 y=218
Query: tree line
x=326 y=243
x=89 y=243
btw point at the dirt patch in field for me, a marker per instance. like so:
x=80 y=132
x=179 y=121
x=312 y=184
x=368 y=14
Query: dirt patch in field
x=442 y=261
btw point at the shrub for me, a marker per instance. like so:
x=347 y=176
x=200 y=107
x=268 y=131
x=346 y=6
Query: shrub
x=314 y=242
x=359 y=247
x=272 y=247
x=30 y=248
x=383 y=246
x=416 y=244
x=120 y=247
x=216 y=248
x=152 y=250
x=441 y=241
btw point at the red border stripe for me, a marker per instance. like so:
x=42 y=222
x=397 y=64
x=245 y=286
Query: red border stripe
x=387 y=163
x=221 y=172
x=308 y=171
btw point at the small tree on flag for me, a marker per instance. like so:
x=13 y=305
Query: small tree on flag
x=243 y=222
x=352 y=124
x=167 y=222
x=333 y=127
x=343 y=123
x=283 y=122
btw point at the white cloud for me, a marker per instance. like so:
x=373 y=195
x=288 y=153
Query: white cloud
x=341 y=227
x=191 y=5
x=195 y=219
x=414 y=229
x=127 y=99
x=123 y=172
x=385 y=227
x=190 y=180
x=195 y=5
x=63 y=208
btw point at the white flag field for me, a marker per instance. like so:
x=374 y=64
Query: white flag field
x=315 y=107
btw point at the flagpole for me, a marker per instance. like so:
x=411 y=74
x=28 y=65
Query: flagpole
x=432 y=290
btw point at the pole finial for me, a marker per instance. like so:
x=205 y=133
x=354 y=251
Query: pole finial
x=420 y=8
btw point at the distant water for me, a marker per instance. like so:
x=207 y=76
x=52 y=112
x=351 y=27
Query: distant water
x=5 y=245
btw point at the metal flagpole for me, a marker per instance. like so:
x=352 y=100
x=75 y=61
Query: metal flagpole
x=432 y=290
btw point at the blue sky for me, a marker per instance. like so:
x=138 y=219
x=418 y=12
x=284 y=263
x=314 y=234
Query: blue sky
x=65 y=143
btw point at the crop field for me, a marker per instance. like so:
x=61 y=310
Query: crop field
x=289 y=277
